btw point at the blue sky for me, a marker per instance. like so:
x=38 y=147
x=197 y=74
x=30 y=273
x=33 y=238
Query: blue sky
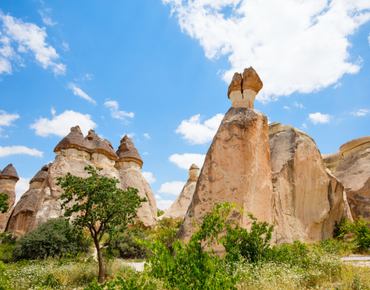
x=159 y=70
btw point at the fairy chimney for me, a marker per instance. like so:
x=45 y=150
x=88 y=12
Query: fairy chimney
x=244 y=88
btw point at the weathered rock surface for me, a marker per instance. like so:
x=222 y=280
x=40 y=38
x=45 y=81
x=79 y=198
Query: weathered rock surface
x=180 y=206
x=23 y=216
x=307 y=198
x=353 y=171
x=331 y=161
x=128 y=166
x=42 y=201
x=8 y=180
x=236 y=168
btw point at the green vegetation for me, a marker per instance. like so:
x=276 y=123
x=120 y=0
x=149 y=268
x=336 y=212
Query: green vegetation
x=361 y=230
x=98 y=205
x=54 y=238
x=249 y=261
x=160 y=212
x=4 y=206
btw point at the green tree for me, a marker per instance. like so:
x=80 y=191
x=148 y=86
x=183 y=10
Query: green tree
x=4 y=206
x=97 y=204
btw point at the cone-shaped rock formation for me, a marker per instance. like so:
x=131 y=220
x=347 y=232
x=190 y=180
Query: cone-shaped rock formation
x=237 y=165
x=180 y=206
x=73 y=153
x=8 y=180
x=128 y=166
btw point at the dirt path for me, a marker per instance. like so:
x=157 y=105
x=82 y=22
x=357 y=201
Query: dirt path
x=363 y=261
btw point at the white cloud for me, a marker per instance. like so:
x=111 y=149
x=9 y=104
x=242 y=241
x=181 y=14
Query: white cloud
x=21 y=187
x=78 y=92
x=16 y=149
x=294 y=45
x=157 y=196
x=121 y=115
x=65 y=46
x=164 y=204
x=46 y=19
x=145 y=153
x=146 y=135
x=304 y=126
x=60 y=124
x=286 y=108
x=298 y=105
x=197 y=133
x=369 y=39
x=149 y=177
x=53 y=111
x=320 y=118
x=361 y=113
x=29 y=37
x=7 y=119
x=173 y=187
x=184 y=161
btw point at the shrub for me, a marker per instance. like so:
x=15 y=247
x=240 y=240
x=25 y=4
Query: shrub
x=340 y=228
x=4 y=279
x=252 y=246
x=192 y=267
x=167 y=229
x=160 y=212
x=362 y=233
x=126 y=246
x=54 y=238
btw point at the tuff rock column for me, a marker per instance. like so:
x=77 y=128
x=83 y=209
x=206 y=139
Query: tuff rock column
x=180 y=206
x=237 y=165
x=128 y=165
x=8 y=179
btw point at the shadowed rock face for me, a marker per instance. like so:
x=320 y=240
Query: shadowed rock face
x=353 y=172
x=236 y=169
x=42 y=201
x=8 y=180
x=180 y=206
x=307 y=198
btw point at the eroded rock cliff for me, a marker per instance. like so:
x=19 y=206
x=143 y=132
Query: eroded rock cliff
x=308 y=199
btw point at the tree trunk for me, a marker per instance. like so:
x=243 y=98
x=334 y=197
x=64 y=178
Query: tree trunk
x=100 y=260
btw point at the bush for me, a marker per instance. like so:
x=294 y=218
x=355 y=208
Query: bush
x=193 y=267
x=54 y=238
x=167 y=229
x=126 y=246
x=160 y=212
x=6 y=252
x=362 y=233
x=252 y=246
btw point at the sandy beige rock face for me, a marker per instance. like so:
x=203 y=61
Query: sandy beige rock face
x=42 y=201
x=353 y=172
x=8 y=180
x=236 y=169
x=180 y=206
x=307 y=198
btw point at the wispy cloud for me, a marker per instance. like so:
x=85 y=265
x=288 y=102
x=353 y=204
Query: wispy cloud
x=78 y=92
x=286 y=108
x=361 y=113
x=146 y=135
x=28 y=37
x=298 y=105
x=115 y=113
x=46 y=19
